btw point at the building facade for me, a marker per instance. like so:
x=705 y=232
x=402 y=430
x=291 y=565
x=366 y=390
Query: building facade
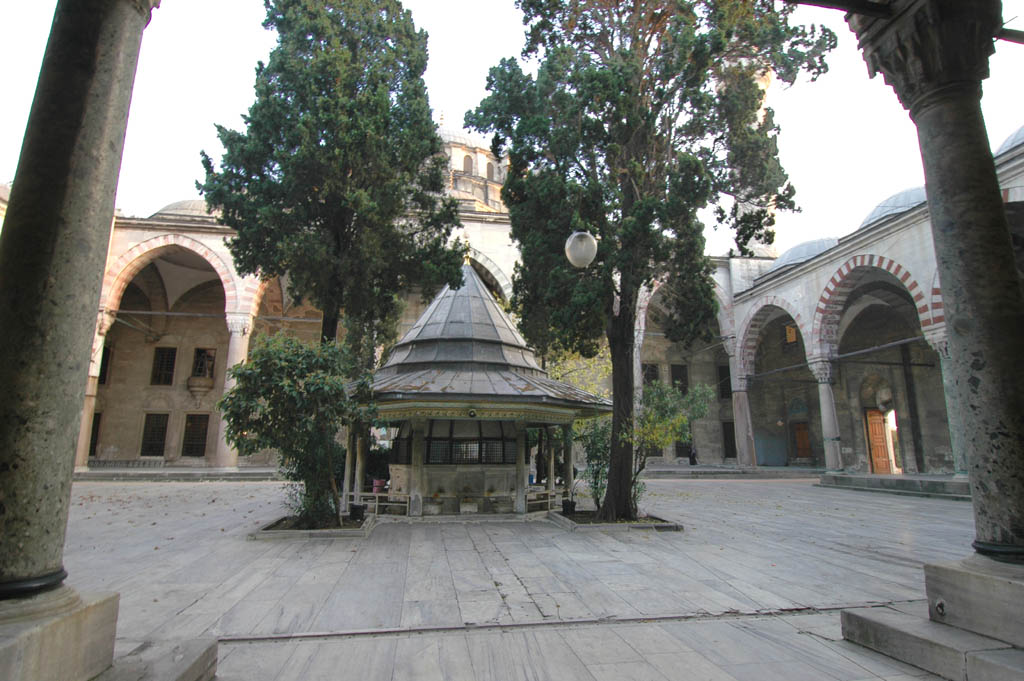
x=828 y=356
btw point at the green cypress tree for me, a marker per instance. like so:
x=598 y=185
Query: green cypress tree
x=642 y=113
x=338 y=177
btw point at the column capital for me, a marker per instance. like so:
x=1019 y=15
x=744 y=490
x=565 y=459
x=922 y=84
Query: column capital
x=938 y=342
x=104 y=320
x=239 y=323
x=929 y=48
x=822 y=370
x=145 y=7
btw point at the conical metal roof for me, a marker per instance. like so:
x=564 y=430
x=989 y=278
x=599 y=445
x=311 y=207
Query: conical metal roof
x=465 y=350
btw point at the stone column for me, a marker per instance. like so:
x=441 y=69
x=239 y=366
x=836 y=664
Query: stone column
x=742 y=422
x=419 y=449
x=103 y=323
x=549 y=444
x=956 y=429
x=350 y=457
x=935 y=53
x=357 y=483
x=521 y=471
x=822 y=370
x=52 y=254
x=567 y=474
x=239 y=328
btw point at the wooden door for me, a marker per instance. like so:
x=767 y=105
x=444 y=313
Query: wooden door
x=802 y=438
x=877 y=442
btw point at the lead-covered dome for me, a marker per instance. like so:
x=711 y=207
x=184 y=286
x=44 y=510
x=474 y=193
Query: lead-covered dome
x=190 y=209
x=896 y=204
x=802 y=252
x=1011 y=142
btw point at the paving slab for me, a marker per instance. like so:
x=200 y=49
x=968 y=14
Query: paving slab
x=755 y=578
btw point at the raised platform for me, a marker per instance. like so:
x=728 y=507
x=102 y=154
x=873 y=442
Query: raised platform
x=681 y=469
x=941 y=486
x=969 y=629
x=175 y=474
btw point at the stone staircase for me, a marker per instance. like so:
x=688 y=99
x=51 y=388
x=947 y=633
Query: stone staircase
x=970 y=629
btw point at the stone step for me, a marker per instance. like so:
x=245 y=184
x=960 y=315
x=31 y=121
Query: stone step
x=996 y=665
x=193 y=660
x=946 y=487
x=938 y=648
x=980 y=595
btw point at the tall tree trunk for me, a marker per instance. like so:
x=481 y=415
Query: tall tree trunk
x=329 y=325
x=618 y=499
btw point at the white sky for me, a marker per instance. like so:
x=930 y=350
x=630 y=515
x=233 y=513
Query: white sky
x=845 y=141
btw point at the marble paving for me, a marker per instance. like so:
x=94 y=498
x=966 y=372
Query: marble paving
x=750 y=590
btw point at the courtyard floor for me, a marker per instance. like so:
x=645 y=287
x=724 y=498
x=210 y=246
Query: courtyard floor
x=750 y=590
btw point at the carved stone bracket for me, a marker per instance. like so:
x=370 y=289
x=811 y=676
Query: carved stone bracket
x=929 y=46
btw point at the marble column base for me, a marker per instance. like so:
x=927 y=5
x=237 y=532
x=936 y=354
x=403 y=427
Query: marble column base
x=58 y=635
x=978 y=594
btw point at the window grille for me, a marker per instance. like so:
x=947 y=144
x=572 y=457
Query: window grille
x=154 y=433
x=163 y=366
x=650 y=373
x=104 y=365
x=203 y=363
x=94 y=436
x=194 y=441
x=724 y=382
x=681 y=378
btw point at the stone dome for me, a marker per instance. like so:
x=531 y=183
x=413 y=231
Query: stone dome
x=190 y=209
x=1011 y=142
x=802 y=252
x=465 y=138
x=895 y=205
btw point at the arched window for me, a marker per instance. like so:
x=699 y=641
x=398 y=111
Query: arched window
x=490 y=171
x=467 y=165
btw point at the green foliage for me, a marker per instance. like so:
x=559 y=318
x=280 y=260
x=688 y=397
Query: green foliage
x=292 y=397
x=592 y=374
x=337 y=179
x=665 y=418
x=595 y=436
x=641 y=114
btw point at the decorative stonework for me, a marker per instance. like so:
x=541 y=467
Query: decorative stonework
x=134 y=259
x=239 y=324
x=929 y=45
x=822 y=370
x=827 y=315
x=750 y=331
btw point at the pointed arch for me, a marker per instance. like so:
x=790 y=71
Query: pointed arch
x=827 y=315
x=750 y=330
x=131 y=262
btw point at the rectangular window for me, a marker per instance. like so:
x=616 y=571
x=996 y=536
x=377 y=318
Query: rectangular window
x=681 y=378
x=465 y=452
x=650 y=373
x=510 y=452
x=790 y=334
x=154 y=433
x=194 y=442
x=683 y=450
x=202 y=363
x=94 y=436
x=490 y=451
x=724 y=382
x=163 y=366
x=104 y=365
x=438 y=451
x=729 y=439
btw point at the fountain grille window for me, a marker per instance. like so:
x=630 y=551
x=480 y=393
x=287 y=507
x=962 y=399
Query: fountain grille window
x=460 y=443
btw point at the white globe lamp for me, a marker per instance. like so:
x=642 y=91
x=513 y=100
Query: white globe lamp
x=581 y=249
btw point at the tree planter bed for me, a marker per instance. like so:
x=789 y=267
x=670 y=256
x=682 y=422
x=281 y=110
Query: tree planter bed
x=282 y=528
x=583 y=521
